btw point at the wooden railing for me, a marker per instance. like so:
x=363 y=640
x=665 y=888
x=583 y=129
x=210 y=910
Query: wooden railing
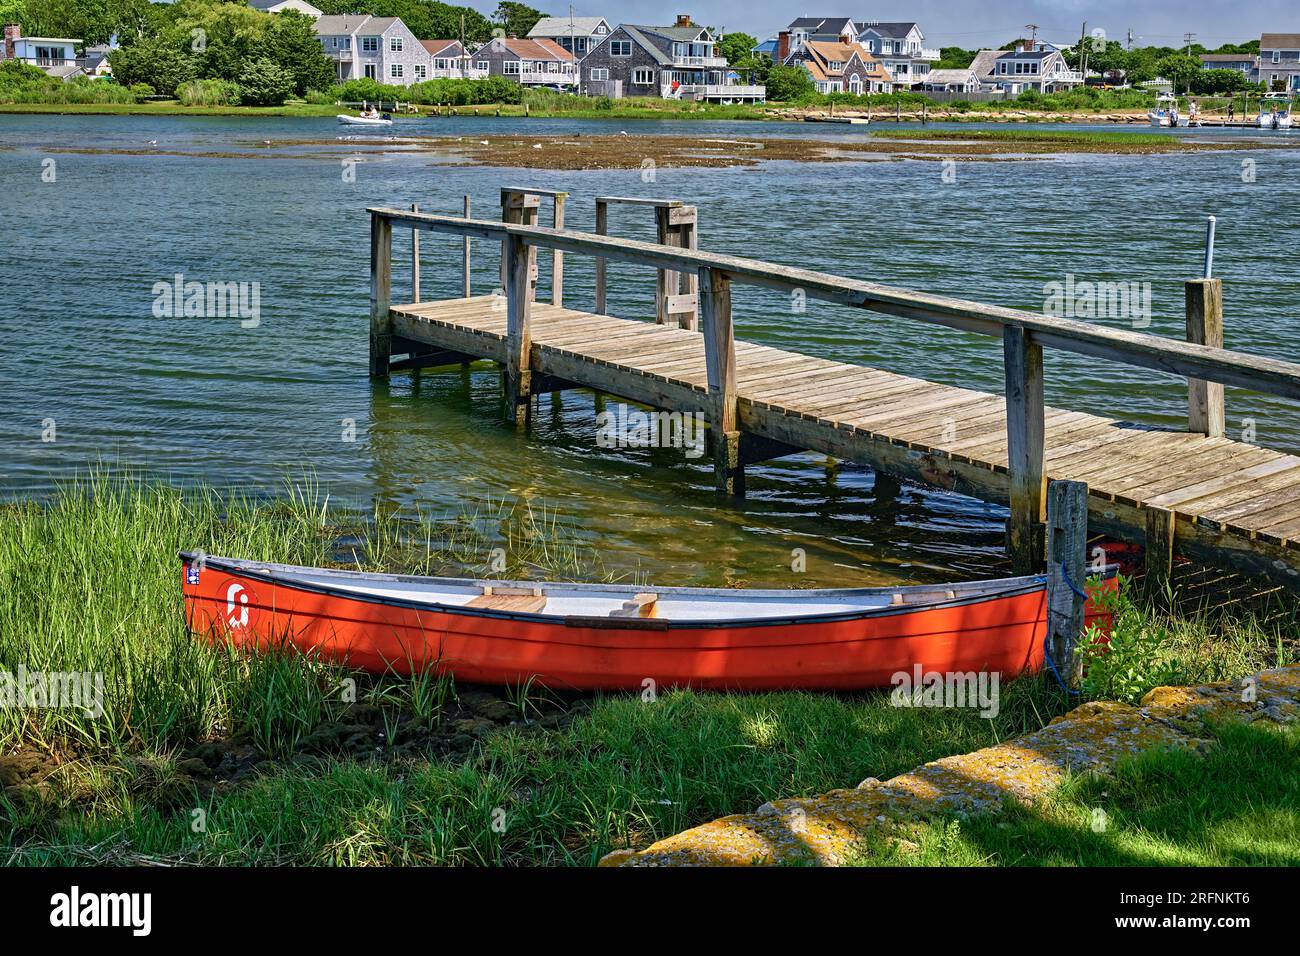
x=1024 y=335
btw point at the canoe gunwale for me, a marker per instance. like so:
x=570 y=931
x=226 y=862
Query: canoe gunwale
x=965 y=593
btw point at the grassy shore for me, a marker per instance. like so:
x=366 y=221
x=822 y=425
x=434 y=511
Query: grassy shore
x=203 y=754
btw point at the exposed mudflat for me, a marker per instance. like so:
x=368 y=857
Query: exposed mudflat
x=579 y=151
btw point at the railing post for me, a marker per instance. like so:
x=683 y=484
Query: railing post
x=1067 y=557
x=467 y=252
x=415 y=258
x=602 y=229
x=520 y=208
x=557 y=257
x=381 y=293
x=677 y=293
x=720 y=364
x=520 y=260
x=1204 y=301
x=1023 y=361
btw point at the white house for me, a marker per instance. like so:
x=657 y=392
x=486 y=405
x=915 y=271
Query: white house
x=57 y=56
x=950 y=81
x=900 y=46
x=279 y=6
x=1014 y=71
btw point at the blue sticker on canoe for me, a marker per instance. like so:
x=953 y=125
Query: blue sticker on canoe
x=192 y=574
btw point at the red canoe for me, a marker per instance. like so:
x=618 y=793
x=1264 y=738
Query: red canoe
x=617 y=637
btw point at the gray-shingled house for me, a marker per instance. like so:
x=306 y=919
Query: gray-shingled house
x=380 y=48
x=578 y=35
x=676 y=62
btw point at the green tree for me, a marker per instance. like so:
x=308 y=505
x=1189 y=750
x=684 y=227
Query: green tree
x=157 y=61
x=292 y=44
x=516 y=18
x=736 y=48
x=955 y=58
x=1178 y=68
x=788 y=84
x=262 y=83
x=1218 y=81
x=427 y=19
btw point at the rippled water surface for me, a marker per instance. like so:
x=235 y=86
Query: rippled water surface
x=206 y=399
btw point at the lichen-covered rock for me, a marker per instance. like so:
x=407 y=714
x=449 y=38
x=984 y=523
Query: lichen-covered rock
x=1092 y=738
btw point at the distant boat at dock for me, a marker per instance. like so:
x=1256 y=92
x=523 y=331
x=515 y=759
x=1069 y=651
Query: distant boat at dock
x=845 y=120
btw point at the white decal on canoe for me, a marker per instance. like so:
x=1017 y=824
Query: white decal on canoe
x=236 y=605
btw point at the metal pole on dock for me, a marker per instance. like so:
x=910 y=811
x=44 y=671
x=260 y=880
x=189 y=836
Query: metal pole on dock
x=467 y=252
x=415 y=258
x=1209 y=247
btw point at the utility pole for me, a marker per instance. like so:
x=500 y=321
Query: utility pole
x=1130 y=39
x=1187 y=38
x=1033 y=35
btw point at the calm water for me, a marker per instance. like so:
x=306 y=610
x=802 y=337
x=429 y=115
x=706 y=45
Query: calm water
x=208 y=399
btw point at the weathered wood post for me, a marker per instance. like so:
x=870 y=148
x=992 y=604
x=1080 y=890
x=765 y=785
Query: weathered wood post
x=520 y=259
x=521 y=208
x=1067 y=557
x=1204 y=302
x=557 y=257
x=602 y=229
x=415 y=258
x=720 y=365
x=466 y=252
x=1159 y=549
x=381 y=293
x=677 y=293
x=1023 y=361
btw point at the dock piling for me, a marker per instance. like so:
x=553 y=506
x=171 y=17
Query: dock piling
x=1067 y=547
x=381 y=293
x=467 y=251
x=1204 y=307
x=720 y=368
x=1023 y=362
x=415 y=258
x=520 y=262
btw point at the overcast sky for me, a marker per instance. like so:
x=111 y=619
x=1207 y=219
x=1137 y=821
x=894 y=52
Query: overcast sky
x=971 y=24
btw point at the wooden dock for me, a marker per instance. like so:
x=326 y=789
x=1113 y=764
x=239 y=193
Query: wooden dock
x=1193 y=492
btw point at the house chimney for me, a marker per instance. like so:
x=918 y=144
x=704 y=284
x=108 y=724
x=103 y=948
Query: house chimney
x=12 y=33
x=683 y=19
x=782 y=46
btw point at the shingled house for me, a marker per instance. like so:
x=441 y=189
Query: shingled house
x=840 y=67
x=676 y=62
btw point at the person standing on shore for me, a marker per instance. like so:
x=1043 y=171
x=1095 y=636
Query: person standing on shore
x=1230 y=111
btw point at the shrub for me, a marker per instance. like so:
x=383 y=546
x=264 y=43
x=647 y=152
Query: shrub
x=142 y=91
x=790 y=84
x=153 y=61
x=370 y=91
x=262 y=83
x=209 y=93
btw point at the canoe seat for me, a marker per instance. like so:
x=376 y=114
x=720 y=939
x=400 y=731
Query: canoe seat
x=641 y=605
x=521 y=600
x=923 y=597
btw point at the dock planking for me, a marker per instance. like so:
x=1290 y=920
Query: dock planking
x=1193 y=492
x=1241 y=490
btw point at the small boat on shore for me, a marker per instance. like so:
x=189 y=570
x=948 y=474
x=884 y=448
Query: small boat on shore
x=1275 y=111
x=616 y=637
x=845 y=120
x=348 y=120
x=1165 y=112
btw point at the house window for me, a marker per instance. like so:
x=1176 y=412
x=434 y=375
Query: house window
x=643 y=76
x=421 y=71
x=440 y=64
x=602 y=30
x=580 y=44
x=510 y=67
x=395 y=44
x=837 y=66
x=395 y=71
x=370 y=71
x=370 y=44
x=599 y=74
x=483 y=65
x=1277 y=56
x=620 y=47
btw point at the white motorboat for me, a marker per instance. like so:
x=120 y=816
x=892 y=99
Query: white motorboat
x=347 y=120
x=1165 y=112
x=1275 y=111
